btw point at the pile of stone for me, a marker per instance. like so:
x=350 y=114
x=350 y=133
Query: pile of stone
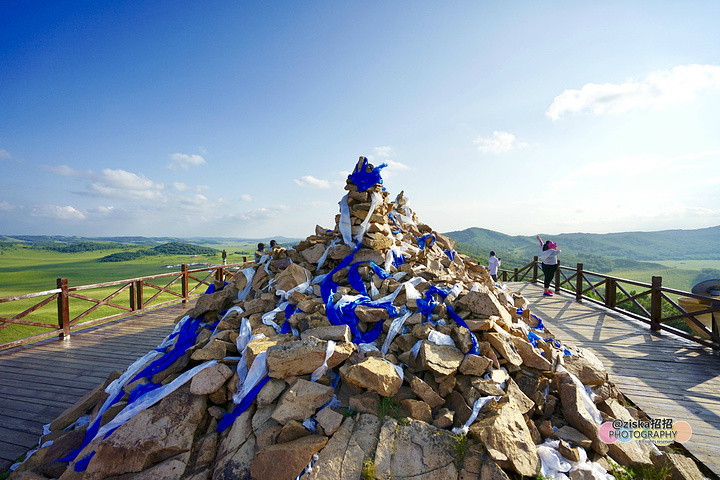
x=372 y=350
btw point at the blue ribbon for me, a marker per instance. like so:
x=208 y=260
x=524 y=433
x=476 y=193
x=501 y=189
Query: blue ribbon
x=363 y=179
x=229 y=418
x=356 y=281
x=426 y=240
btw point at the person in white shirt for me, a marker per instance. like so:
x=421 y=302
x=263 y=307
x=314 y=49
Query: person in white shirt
x=493 y=264
x=549 y=263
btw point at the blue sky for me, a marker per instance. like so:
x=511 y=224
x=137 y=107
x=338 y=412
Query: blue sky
x=243 y=119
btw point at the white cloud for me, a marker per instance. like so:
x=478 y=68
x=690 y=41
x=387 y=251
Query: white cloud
x=660 y=88
x=63 y=170
x=245 y=197
x=179 y=186
x=311 y=182
x=396 y=166
x=5 y=154
x=259 y=214
x=500 y=142
x=58 y=212
x=125 y=185
x=6 y=207
x=384 y=152
x=102 y=210
x=184 y=161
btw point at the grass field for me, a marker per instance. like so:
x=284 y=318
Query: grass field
x=25 y=270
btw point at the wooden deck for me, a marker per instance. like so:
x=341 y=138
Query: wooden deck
x=38 y=382
x=664 y=375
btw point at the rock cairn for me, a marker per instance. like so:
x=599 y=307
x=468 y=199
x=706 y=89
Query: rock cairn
x=372 y=350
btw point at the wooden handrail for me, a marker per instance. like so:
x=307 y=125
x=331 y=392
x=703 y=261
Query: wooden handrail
x=190 y=283
x=578 y=282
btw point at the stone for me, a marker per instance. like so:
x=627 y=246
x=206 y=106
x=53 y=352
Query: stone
x=368 y=402
x=270 y=391
x=301 y=401
x=214 y=350
x=627 y=453
x=292 y=430
x=480 y=325
x=443 y=419
x=530 y=357
x=570 y=435
x=518 y=398
x=336 y=333
x=297 y=357
x=474 y=365
x=424 y=391
x=505 y=346
x=682 y=467
x=329 y=420
x=344 y=455
x=210 y=379
x=374 y=375
x=371 y=314
x=575 y=412
x=417 y=450
x=314 y=253
x=508 y=440
x=586 y=367
x=285 y=461
x=162 y=431
x=439 y=359
x=484 y=302
x=417 y=409
x=291 y=277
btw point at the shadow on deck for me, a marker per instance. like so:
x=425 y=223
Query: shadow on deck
x=39 y=381
x=664 y=375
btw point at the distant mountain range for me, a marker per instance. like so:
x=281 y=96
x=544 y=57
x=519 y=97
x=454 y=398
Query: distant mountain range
x=139 y=240
x=700 y=244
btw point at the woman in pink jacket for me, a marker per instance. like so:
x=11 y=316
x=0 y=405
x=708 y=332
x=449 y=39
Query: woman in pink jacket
x=549 y=263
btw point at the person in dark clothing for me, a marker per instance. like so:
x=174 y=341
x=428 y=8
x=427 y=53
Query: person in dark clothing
x=549 y=263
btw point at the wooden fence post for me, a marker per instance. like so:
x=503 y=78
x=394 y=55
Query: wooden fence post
x=139 y=300
x=610 y=293
x=185 y=292
x=63 y=308
x=557 y=278
x=515 y=275
x=655 y=303
x=535 y=269
x=220 y=274
x=579 y=283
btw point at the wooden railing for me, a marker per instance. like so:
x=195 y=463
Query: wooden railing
x=653 y=304
x=143 y=293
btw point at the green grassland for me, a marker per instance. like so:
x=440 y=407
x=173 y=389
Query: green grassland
x=28 y=269
x=25 y=269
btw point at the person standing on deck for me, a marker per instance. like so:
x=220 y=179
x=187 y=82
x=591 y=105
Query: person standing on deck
x=493 y=264
x=549 y=263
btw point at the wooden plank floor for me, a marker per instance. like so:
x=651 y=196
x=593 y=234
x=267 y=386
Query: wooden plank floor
x=39 y=381
x=664 y=375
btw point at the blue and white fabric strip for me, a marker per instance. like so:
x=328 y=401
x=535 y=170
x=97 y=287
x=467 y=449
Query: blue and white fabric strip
x=364 y=180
